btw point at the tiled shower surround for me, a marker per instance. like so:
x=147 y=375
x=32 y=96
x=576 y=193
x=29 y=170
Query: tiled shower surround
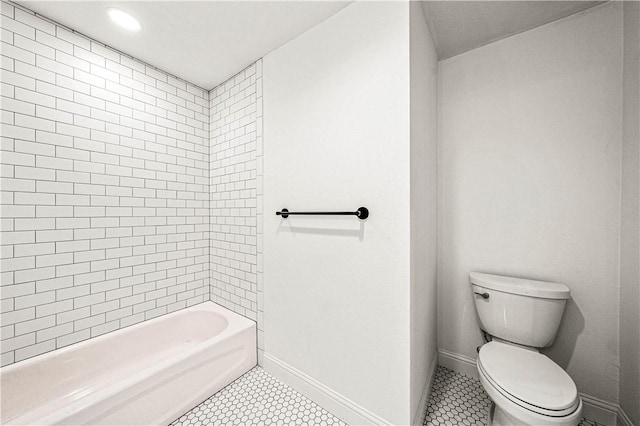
x=108 y=189
x=236 y=194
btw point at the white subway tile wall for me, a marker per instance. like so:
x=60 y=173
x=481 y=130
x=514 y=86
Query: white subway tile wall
x=105 y=191
x=236 y=195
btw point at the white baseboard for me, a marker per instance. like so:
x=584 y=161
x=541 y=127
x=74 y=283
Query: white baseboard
x=596 y=409
x=623 y=419
x=418 y=416
x=459 y=363
x=336 y=404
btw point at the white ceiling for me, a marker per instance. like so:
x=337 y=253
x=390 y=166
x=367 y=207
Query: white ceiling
x=203 y=42
x=206 y=42
x=459 y=26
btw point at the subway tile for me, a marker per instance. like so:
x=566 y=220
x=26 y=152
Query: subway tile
x=54 y=187
x=88 y=100
x=53 y=90
x=35 y=325
x=54 y=308
x=118 y=68
x=16 y=132
x=54 y=259
x=17 y=53
x=133 y=319
x=34 y=300
x=53 y=332
x=73 y=315
x=18 y=342
x=104 y=73
x=33 y=350
x=72 y=61
x=10 y=184
x=54 y=211
x=108 y=179
x=16 y=290
x=89 y=322
x=31 y=20
x=22 y=172
x=18 y=237
x=57 y=141
x=99 y=308
x=28 y=44
x=73 y=84
x=49 y=39
x=72 y=292
x=53 y=284
x=105 y=52
x=93 y=277
x=88 y=56
x=19 y=106
x=53 y=235
x=31 y=96
x=89 y=300
x=33 y=198
x=69 y=339
x=53 y=114
x=8 y=357
x=72 y=107
x=73 y=245
x=7 y=10
x=11 y=79
x=104 y=328
x=17 y=263
x=33 y=224
x=73 y=38
x=13 y=317
x=89 y=77
x=34 y=275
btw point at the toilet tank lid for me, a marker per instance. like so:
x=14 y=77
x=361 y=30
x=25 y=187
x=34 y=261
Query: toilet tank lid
x=521 y=286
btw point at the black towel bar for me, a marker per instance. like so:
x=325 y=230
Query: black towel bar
x=362 y=213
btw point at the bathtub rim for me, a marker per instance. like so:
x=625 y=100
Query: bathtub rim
x=236 y=324
x=144 y=376
x=203 y=306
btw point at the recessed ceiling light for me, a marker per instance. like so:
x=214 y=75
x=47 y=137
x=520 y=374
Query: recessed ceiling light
x=123 y=19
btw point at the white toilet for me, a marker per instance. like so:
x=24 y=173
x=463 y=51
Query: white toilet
x=522 y=315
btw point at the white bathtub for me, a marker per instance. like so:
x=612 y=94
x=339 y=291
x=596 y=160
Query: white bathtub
x=149 y=373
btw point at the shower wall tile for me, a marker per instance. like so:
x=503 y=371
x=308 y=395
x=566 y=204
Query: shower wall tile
x=104 y=189
x=236 y=194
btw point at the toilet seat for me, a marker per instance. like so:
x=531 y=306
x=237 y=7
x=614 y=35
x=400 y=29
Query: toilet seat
x=528 y=379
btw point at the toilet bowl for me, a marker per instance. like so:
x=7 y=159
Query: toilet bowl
x=527 y=387
x=520 y=316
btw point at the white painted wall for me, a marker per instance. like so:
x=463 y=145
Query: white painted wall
x=336 y=128
x=424 y=124
x=529 y=182
x=630 y=230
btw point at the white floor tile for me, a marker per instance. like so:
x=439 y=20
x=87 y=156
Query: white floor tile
x=457 y=399
x=258 y=398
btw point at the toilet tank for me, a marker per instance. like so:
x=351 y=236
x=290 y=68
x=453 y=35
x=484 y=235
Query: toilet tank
x=519 y=310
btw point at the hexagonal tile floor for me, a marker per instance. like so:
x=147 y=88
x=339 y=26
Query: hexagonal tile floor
x=457 y=399
x=258 y=398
